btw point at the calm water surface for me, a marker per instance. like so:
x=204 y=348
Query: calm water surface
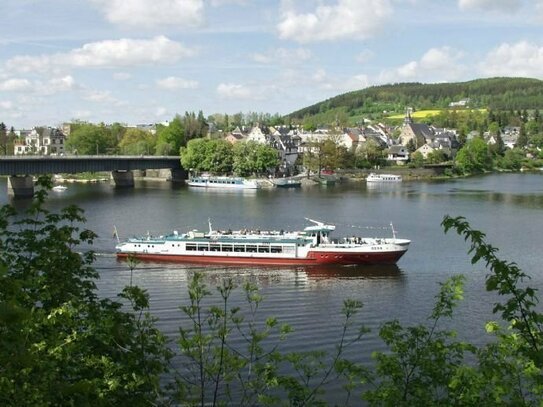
x=506 y=207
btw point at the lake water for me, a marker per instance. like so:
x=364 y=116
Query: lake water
x=507 y=207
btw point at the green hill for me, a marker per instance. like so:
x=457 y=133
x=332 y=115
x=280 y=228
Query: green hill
x=491 y=93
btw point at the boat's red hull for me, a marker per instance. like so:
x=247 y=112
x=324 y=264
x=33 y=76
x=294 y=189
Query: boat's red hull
x=312 y=259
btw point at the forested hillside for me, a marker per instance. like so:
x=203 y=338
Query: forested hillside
x=492 y=93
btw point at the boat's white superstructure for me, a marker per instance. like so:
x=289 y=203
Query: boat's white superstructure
x=373 y=177
x=208 y=181
x=313 y=245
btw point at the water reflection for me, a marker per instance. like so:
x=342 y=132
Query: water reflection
x=222 y=191
x=383 y=272
x=265 y=275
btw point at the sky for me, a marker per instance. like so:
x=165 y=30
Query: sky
x=144 y=61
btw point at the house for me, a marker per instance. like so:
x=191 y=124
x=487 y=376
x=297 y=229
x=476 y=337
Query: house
x=258 y=134
x=436 y=145
x=42 y=141
x=425 y=150
x=234 y=138
x=399 y=154
x=350 y=138
x=287 y=148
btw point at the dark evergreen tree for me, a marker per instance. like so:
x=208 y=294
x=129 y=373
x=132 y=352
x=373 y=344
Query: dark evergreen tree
x=522 y=139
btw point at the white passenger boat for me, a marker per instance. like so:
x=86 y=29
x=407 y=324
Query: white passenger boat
x=313 y=245
x=59 y=188
x=208 y=181
x=372 y=177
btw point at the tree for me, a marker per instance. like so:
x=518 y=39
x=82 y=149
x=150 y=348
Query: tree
x=512 y=159
x=416 y=160
x=334 y=154
x=474 y=157
x=90 y=139
x=4 y=139
x=494 y=128
x=436 y=157
x=60 y=343
x=522 y=140
x=498 y=148
x=372 y=152
x=213 y=155
x=170 y=138
x=254 y=158
x=136 y=142
x=411 y=145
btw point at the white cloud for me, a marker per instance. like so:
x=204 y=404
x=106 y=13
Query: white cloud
x=99 y=96
x=364 y=56
x=56 y=85
x=6 y=104
x=283 y=56
x=520 y=59
x=109 y=53
x=161 y=111
x=539 y=10
x=349 y=19
x=437 y=64
x=121 y=76
x=173 y=83
x=153 y=13
x=15 y=85
x=490 y=5
x=238 y=91
x=61 y=84
x=217 y=3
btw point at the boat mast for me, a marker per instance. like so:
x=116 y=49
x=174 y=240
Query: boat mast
x=393 y=231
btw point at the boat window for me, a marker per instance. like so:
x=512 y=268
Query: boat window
x=276 y=249
x=263 y=249
x=191 y=246
x=239 y=248
x=215 y=247
x=251 y=248
x=226 y=247
x=203 y=247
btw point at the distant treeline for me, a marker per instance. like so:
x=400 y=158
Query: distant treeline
x=492 y=93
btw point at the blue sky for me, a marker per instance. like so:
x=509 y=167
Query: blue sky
x=143 y=61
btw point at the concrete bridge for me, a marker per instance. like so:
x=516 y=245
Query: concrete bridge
x=20 y=169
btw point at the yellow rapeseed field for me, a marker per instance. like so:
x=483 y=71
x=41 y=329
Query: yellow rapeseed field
x=419 y=114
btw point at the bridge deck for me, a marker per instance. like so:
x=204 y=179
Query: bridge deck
x=23 y=165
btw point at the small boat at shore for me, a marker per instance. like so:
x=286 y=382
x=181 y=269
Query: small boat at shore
x=59 y=188
x=311 y=246
x=372 y=177
x=208 y=181
x=287 y=182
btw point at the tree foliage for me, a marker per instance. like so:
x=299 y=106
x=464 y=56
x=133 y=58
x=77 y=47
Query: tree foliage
x=136 y=142
x=474 y=157
x=60 y=343
x=220 y=157
x=170 y=138
x=91 y=139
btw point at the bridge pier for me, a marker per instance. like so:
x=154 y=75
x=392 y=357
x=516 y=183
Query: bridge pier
x=123 y=179
x=178 y=175
x=21 y=186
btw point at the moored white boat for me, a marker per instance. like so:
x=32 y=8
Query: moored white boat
x=208 y=181
x=372 y=177
x=313 y=245
x=59 y=188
